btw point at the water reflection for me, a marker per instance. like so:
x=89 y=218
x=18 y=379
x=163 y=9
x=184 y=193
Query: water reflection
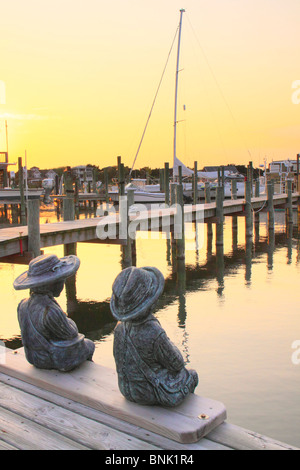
x=95 y=320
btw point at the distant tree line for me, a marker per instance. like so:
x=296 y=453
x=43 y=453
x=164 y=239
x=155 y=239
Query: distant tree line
x=141 y=173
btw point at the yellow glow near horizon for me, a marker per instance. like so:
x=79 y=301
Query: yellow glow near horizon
x=80 y=78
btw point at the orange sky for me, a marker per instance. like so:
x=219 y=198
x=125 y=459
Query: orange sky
x=80 y=78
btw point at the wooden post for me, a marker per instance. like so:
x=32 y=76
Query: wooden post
x=271 y=215
x=21 y=188
x=289 y=211
x=173 y=187
x=248 y=210
x=180 y=174
x=298 y=165
x=219 y=176
x=220 y=216
x=161 y=180
x=220 y=267
x=195 y=178
x=256 y=214
x=233 y=189
x=223 y=175
x=167 y=183
x=94 y=180
x=234 y=228
x=34 y=240
x=106 y=185
x=76 y=195
x=249 y=247
x=251 y=177
x=56 y=185
x=121 y=177
x=95 y=205
x=68 y=202
x=69 y=208
x=207 y=192
x=257 y=188
x=207 y=201
x=271 y=247
x=128 y=246
x=180 y=241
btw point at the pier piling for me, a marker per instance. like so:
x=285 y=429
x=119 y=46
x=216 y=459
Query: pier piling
x=195 y=185
x=248 y=209
x=180 y=240
x=166 y=183
x=34 y=243
x=128 y=247
x=220 y=216
x=21 y=188
x=271 y=215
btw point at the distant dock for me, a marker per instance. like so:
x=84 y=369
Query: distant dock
x=15 y=240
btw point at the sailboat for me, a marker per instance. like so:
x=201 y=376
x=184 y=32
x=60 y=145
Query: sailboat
x=152 y=193
x=143 y=192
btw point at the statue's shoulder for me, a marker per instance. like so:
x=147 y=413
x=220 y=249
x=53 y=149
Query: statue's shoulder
x=23 y=305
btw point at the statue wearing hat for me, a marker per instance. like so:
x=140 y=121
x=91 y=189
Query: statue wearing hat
x=150 y=367
x=50 y=339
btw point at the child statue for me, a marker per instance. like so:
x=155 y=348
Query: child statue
x=150 y=368
x=50 y=339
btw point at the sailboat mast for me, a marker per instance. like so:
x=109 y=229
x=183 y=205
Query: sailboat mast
x=176 y=92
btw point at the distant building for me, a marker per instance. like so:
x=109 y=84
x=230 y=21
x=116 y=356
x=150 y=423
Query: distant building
x=36 y=176
x=283 y=166
x=5 y=174
x=83 y=173
x=3 y=169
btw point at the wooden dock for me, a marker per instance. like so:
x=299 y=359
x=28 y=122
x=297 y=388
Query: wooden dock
x=34 y=417
x=15 y=239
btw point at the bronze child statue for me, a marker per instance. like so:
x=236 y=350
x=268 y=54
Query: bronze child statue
x=150 y=368
x=50 y=339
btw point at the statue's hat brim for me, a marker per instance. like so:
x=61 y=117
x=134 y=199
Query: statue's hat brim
x=135 y=290
x=47 y=269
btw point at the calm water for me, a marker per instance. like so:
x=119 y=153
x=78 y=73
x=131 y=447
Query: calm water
x=234 y=317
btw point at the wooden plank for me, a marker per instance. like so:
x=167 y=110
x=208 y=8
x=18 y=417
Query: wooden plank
x=26 y=435
x=5 y=446
x=78 y=428
x=97 y=386
x=242 y=439
x=128 y=429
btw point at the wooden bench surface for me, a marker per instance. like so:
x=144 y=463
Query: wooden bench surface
x=97 y=387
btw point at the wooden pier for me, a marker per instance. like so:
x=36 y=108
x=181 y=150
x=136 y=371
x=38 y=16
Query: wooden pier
x=33 y=237
x=36 y=413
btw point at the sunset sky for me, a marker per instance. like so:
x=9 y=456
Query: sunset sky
x=80 y=77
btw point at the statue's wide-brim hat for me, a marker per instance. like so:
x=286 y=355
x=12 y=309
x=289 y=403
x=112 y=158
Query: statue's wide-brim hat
x=46 y=270
x=135 y=290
